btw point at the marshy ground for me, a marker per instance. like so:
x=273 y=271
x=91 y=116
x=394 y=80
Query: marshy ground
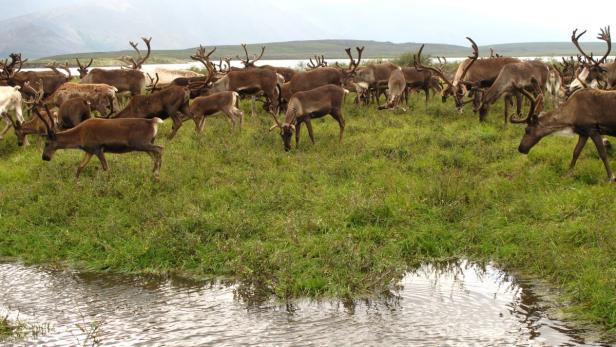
x=325 y=220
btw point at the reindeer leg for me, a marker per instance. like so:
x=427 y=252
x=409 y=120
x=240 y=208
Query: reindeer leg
x=101 y=157
x=83 y=163
x=427 y=91
x=177 y=124
x=7 y=127
x=253 y=106
x=596 y=138
x=298 y=127
x=310 y=131
x=576 y=153
x=338 y=116
x=507 y=104
x=156 y=152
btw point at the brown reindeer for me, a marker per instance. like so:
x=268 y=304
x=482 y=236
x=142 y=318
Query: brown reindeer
x=102 y=97
x=73 y=112
x=307 y=105
x=97 y=136
x=473 y=75
x=168 y=102
x=396 y=87
x=530 y=75
x=376 y=76
x=308 y=80
x=588 y=113
x=418 y=79
x=125 y=80
x=248 y=63
x=50 y=80
x=226 y=102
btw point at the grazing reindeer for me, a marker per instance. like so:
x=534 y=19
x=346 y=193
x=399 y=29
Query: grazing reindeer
x=10 y=100
x=124 y=80
x=97 y=136
x=376 y=76
x=594 y=73
x=588 y=113
x=307 y=105
x=530 y=75
x=418 y=79
x=102 y=97
x=168 y=102
x=396 y=86
x=226 y=102
x=34 y=125
x=472 y=75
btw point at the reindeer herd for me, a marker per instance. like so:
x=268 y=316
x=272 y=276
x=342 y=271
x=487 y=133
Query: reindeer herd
x=88 y=115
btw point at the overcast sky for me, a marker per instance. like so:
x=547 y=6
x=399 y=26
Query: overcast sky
x=436 y=21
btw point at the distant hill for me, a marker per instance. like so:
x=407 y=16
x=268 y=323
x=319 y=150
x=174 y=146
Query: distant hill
x=335 y=49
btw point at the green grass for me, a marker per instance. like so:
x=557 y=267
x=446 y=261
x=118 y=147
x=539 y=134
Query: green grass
x=328 y=219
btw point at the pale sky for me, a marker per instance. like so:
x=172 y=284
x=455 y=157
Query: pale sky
x=440 y=21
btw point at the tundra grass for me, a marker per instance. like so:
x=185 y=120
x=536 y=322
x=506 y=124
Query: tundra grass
x=330 y=219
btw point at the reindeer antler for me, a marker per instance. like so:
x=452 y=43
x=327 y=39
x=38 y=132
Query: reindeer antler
x=604 y=35
x=137 y=64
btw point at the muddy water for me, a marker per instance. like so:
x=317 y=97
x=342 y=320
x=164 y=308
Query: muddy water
x=462 y=304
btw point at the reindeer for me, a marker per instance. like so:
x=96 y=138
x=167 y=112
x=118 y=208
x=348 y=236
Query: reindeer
x=102 y=97
x=587 y=113
x=307 y=105
x=375 y=76
x=308 y=80
x=555 y=86
x=531 y=75
x=594 y=73
x=249 y=81
x=472 y=75
x=73 y=112
x=396 y=86
x=226 y=102
x=10 y=100
x=418 y=79
x=286 y=72
x=97 y=136
x=50 y=80
x=168 y=102
x=128 y=79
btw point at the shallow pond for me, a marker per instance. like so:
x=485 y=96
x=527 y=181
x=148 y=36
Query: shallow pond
x=459 y=304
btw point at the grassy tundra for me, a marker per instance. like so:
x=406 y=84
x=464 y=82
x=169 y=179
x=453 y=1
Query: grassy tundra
x=327 y=219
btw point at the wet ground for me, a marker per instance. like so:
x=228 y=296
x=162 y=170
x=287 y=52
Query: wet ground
x=455 y=305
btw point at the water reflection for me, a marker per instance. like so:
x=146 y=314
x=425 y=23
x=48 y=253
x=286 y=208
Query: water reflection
x=457 y=303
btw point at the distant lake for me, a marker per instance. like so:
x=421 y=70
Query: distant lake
x=292 y=63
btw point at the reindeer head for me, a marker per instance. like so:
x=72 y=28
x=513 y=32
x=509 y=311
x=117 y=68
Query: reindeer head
x=457 y=89
x=534 y=130
x=248 y=63
x=593 y=72
x=83 y=70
